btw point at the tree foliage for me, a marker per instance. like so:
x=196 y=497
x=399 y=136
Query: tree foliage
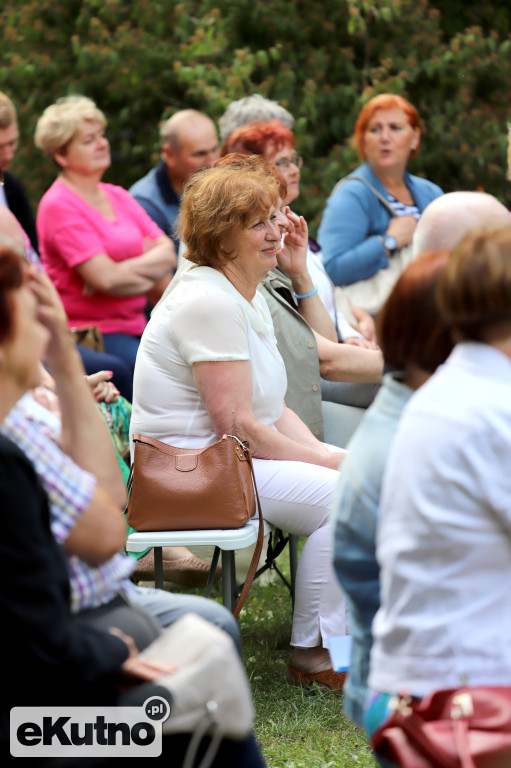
x=143 y=61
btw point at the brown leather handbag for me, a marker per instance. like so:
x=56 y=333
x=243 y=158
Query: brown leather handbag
x=181 y=489
x=460 y=728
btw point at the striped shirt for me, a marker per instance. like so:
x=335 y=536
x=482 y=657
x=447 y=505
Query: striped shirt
x=36 y=432
x=401 y=209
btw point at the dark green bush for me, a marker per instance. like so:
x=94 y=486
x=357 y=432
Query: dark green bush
x=143 y=61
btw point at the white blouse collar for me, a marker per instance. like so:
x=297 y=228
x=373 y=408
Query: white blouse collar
x=257 y=311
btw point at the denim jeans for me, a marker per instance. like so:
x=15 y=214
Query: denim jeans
x=167 y=607
x=122 y=345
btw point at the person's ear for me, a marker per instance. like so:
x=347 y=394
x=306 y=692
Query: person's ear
x=416 y=139
x=168 y=155
x=61 y=159
x=225 y=246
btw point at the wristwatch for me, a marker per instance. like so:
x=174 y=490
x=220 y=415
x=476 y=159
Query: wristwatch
x=389 y=243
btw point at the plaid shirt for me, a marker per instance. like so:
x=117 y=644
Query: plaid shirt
x=70 y=489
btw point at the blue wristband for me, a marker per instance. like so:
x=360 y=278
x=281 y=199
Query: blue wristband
x=306 y=295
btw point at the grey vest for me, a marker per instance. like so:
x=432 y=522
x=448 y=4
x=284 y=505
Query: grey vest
x=297 y=345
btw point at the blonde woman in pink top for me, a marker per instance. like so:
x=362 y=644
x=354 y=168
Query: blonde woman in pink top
x=99 y=247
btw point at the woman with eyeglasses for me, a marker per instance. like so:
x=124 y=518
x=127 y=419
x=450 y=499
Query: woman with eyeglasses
x=276 y=142
x=209 y=365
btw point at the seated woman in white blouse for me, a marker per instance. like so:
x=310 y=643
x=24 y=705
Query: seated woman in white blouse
x=208 y=364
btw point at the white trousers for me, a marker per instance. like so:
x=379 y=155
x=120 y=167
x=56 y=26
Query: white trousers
x=297 y=497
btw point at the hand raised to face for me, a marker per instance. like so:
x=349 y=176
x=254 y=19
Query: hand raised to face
x=292 y=258
x=51 y=313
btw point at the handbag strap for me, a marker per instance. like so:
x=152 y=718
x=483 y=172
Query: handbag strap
x=380 y=197
x=461 y=738
x=260 y=535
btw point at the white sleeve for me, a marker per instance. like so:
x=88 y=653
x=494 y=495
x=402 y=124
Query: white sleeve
x=345 y=329
x=488 y=458
x=209 y=326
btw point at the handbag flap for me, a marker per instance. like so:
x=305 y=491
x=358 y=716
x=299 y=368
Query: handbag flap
x=186 y=462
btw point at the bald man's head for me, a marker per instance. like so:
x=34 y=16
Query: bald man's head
x=447 y=219
x=11 y=233
x=190 y=142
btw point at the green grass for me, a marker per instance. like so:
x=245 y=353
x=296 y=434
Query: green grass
x=296 y=727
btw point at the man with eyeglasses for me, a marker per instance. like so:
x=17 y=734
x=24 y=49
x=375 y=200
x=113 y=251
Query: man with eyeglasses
x=12 y=194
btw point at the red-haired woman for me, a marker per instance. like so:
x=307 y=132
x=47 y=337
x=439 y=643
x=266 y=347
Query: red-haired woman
x=373 y=212
x=276 y=143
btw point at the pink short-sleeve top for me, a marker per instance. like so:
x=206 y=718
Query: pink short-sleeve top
x=71 y=232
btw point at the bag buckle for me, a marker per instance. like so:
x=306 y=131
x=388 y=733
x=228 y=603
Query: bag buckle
x=243 y=444
x=462 y=706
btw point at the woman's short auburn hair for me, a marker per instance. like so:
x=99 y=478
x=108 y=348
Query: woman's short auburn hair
x=12 y=277
x=410 y=328
x=60 y=121
x=259 y=138
x=384 y=101
x=249 y=163
x=217 y=202
x=474 y=294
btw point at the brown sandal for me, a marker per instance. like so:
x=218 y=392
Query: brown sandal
x=188 y=571
x=328 y=679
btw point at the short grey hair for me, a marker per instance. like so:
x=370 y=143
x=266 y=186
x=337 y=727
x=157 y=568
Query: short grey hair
x=254 y=107
x=60 y=122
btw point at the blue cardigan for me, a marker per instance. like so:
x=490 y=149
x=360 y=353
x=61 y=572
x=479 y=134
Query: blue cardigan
x=353 y=221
